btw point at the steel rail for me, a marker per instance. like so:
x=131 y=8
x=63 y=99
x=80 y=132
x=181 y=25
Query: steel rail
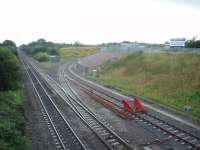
x=157 y=123
x=110 y=138
x=66 y=132
x=44 y=108
x=116 y=108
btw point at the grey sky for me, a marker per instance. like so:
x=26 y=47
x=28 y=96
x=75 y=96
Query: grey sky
x=97 y=21
x=189 y=3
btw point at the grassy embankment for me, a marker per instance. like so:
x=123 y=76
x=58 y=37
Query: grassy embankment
x=76 y=52
x=12 y=121
x=67 y=53
x=169 y=79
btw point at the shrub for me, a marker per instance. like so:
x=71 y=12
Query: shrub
x=41 y=56
x=12 y=122
x=10 y=74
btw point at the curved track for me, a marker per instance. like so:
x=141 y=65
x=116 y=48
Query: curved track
x=171 y=131
x=106 y=135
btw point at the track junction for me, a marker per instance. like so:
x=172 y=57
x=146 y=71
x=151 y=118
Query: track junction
x=55 y=97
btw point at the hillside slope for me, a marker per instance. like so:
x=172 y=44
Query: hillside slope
x=76 y=52
x=169 y=79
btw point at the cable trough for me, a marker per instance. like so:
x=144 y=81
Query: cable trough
x=171 y=131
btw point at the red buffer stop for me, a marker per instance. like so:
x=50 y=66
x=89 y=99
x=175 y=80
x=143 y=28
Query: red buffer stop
x=137 y=103
x=128 y=106
x=137 y=106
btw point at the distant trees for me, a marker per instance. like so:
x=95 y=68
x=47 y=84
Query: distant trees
x=77 y=43
x=192 y=43
x=12 y=121
x=41 y=45
x=41 y=41
x=10 y=45
x=126 y=42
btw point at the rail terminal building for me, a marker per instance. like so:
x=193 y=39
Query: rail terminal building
x=177 y=43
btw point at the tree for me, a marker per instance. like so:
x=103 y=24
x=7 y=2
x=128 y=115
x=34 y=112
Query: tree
x=41 y=56
x=11 y=45
x=192 y=43
x=10 y=74
x=41 y=41
x=41 y=45
x=126 y=42
x=77 y=43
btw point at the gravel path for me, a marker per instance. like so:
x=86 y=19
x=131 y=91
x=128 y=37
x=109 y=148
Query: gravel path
x=99 y=58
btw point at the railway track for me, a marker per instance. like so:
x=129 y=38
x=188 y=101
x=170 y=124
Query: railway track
x=180 y=136
x=100 y=129
x=61 y=132
x=112 y=104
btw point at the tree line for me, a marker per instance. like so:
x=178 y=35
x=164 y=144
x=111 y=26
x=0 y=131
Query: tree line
x=41 y=48
x=12 y=120
x=192 y=43
x=10 y=74
x=41 y=45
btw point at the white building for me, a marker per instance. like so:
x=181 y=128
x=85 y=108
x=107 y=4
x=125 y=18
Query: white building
x=177 y=42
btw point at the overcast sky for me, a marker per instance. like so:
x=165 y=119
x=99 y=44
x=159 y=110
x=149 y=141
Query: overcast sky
x=97 y=21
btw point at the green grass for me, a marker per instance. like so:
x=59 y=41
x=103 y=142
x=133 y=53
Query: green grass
x=12 y=121
x=76 y=52
x=169 y=79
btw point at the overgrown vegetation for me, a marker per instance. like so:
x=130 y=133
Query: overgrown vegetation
x=41 y=56
x=193 y=43
x=169 y=79
x=12 y=121
x=40 y=49
x=77 y=51
x=10 y=74
x=41 y=45
x=10 y=45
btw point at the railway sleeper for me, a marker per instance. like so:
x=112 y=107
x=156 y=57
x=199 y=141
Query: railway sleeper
x=193 y=141
x=92 y=123
x=102 y=131
x=170 y=128
x=187 y=137
x=180 y=135
x=175 y=131
x=115 y=144
x=100 y=128
x=95 y=126
x=111 y=140
x=105 y=134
